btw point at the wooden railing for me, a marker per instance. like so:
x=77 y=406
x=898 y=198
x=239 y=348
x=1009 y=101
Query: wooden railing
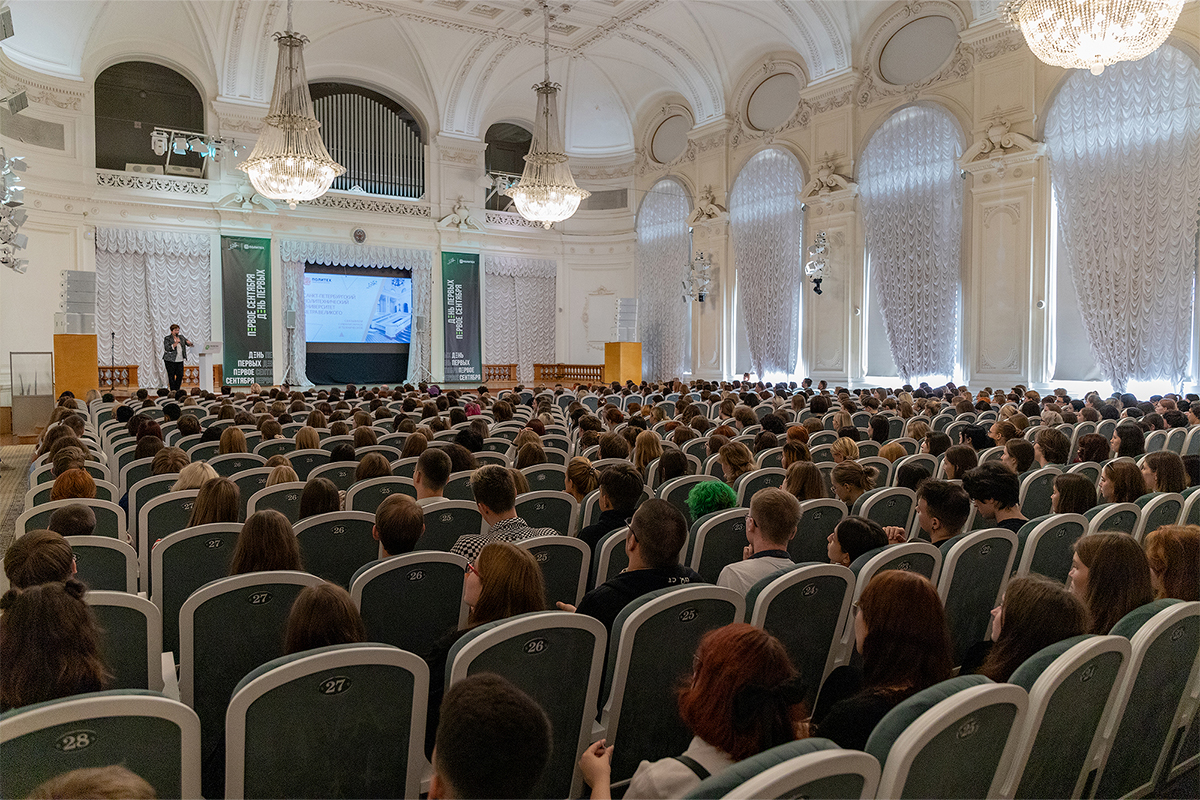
x=576 y=373
x=127 y=375
x=500 y=373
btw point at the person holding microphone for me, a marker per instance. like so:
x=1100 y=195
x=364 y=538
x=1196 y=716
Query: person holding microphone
x=175 y=346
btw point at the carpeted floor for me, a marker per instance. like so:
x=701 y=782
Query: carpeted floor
x=14 y=482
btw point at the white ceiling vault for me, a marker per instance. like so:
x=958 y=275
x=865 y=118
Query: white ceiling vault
x=462 y=65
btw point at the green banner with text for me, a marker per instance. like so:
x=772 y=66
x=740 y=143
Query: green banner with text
x=246 y=300
x=460 y=291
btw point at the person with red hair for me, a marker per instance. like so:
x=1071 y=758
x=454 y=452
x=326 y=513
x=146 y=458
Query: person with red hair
x=744 y=697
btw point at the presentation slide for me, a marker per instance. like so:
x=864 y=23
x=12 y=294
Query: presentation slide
x=357 y=308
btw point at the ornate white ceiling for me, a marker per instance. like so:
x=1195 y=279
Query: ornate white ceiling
x=462 y=65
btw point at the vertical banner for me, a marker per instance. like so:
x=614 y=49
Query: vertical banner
x=460 y=293
x=246 y=299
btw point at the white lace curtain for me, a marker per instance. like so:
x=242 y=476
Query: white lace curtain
x=147 y=281
x=295 y=254
x=768 y=235
x=1125 y=165
x=912 y=212
x=663 y=252
x=520 y=298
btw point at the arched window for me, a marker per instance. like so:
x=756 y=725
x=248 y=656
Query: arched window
x=507 y=146
x=912 y=212
x=1124 y=152
x=663 y=252
x=767 y=223
x=132 y=99
x=375 y=138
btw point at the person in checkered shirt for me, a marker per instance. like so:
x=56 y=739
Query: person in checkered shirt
x=496 y=496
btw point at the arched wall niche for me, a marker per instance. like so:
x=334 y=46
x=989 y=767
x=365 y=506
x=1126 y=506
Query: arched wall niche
x=668 y=110
x=766 y=68
x=130 y=99
x=683 y=182
x=123 y=52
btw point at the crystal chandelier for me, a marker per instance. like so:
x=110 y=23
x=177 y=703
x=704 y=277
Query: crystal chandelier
x=290 y=161
x=546 y=192
x=1091 y=34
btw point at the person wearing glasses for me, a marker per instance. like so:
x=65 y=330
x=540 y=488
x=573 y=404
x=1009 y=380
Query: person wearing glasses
x=657 y=532
x=770 y=525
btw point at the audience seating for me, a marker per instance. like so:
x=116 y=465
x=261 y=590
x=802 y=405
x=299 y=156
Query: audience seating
x=250 y=482
x=805 y=768
x=675 y=492
x=226 y=629
x=412 y=600
x=556 y=658
x=718 y=542
x=761 y=478
x=110 y=517
x=338 y=721
x=1141 y=740
x=974 y=574
x=282 y=497
x=458 y=487
x=156 y=738
x=1089 y=469
x=610 y=557
x=548 y=509
x=651 y=647
x=143 y=492
x=105 y=564
x=275 y=447
x=183 y=562
x=1046 y=544
x=1161 y=508
x=1114 y=517
x=1190 y=513
x=305 y=461
x=38 y=495
x=1036 y=489
x=887 y=506
x=1072 y=688
x=367 y=495
x=203 y=451
x=565 y=563
x=818 y=518
x=488 y=457
x=927 y=461
x=340 y=472
x=130 y=639
x=231 y=464
x=546 y=477
x=334 y=546
x=806 y=607
x=446 y=520
x=955 y=739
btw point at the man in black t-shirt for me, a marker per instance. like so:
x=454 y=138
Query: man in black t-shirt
x=657 y=533
x=620 y=488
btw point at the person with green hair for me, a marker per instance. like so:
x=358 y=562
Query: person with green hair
x=710 y=496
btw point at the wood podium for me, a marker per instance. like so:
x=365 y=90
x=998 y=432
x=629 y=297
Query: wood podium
x=75 y=364
x=622 y=362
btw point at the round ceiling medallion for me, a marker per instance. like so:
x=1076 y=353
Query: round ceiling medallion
x=918 y=50
x=670 y=138
x=773 y=101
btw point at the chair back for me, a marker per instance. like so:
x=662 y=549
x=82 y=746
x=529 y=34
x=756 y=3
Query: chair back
x=446 y=520
x=282 y=497
x=1143 y=738
x=974 y=574
x=335 y=545
x=410 y=601
x=1190 y=513
x=130 y=639
x=304 y=461
x=1089 y=469
x=806 y=608
x=367 y=495
x=1072 y=688
x=761 y=478
x=675 y=492
x=250 y=482
x=954 y=739
x=231 y=464
x=227 y=628
x=888 y=506
x=1163 y=508
x=611 y=558
x=1045 y=545
x=110 y=517
x=546 y=477
x=153 y=737
x=458 y=487
x=275 y=447
x=105 y=564
x=203 y=451
x=651 y=647
x=565 y=562
x=404 y=467
x=554 y=657
x=719 y=541
x=812 y=767
x=182 y=563
x=772 y=457
x=818 y=518
x=1036 y=490
x=365 y=695
x=549 y=509
x=1114 y=517
x=340 y=472
x=134 y=471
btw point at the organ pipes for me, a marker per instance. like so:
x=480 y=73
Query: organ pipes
x=382 y=152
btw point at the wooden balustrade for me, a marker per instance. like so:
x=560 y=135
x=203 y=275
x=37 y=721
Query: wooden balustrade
x=500 y=373
x=575 y=373
x=127 y=375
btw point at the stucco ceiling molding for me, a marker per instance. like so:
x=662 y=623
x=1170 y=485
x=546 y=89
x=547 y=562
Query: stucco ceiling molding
x=42 y=89
x=715 y=107
x=665 y=111
x=872 y=88
x=232 y=56
x=772 y=65
x=811 y=103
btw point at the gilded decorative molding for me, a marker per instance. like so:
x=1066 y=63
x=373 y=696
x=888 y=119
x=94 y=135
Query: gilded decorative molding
x=150 y=183
x=374 y=205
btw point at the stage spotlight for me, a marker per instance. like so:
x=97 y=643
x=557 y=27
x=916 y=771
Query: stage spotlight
x=179 y=145
x=197 y=145
x=158 y=141
x=16 y=240
x=6 y=24
x=17 y=103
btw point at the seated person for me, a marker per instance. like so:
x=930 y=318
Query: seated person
x=709 y=497
x=99 y=783
x=996 y=490
x=1018 y=455
x=73 y=520
x=853 y=537
x=399 y=523
x=1051 y=447
x=942 y=509
x=975 y=436
x=620 y=487
x=496 y=497
x=770 y=525
x=657 y=533
x=1173 y=553
x=38 y=557
x=431 y=474
x=322 y=615
x=493 y=741
x=1111 y=575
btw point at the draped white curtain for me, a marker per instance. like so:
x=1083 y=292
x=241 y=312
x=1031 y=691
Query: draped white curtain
x=912 y=211
x=663 y=251
x=1125 y=165
x=520 y=298
x=147 y=281
x=295 y=254
x=768 y=235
